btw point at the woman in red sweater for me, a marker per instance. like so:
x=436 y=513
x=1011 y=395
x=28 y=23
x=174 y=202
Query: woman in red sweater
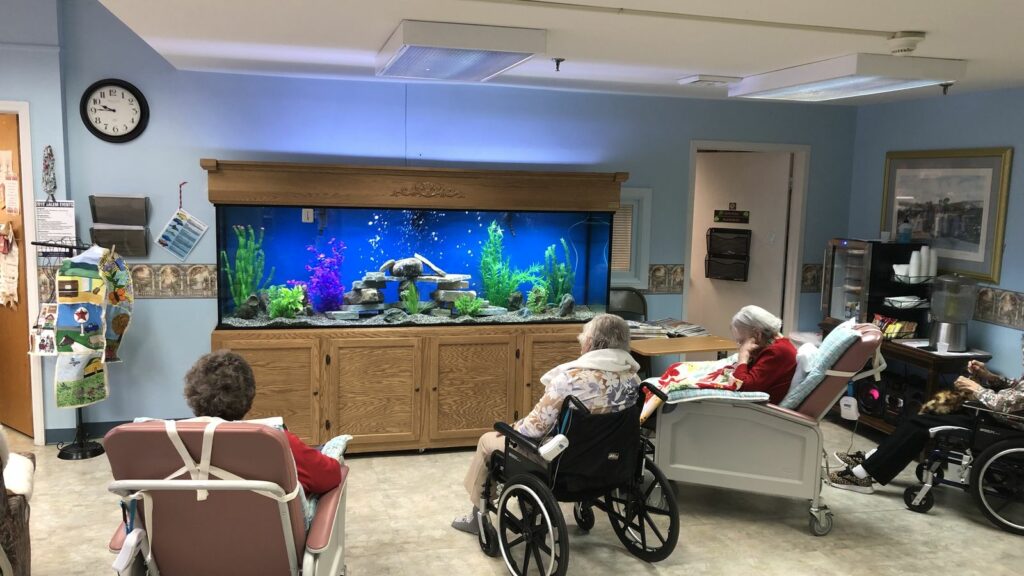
x=767 y=359
x=221 y=385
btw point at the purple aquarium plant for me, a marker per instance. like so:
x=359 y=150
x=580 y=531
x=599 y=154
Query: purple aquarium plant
x=324 y=287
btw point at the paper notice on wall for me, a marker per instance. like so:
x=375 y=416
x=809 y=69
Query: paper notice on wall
x=181 y=234
x=55 y=222
x=9 y=265
x=12 y=195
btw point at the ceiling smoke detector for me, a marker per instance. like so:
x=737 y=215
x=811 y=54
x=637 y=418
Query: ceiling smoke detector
x=456 y=52
x=708 y=80
x=904 y=43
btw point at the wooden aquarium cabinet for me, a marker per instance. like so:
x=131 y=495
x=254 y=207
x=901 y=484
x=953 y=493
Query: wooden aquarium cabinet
x=400 y=388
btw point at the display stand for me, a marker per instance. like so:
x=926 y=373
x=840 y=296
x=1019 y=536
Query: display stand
x=81 y=448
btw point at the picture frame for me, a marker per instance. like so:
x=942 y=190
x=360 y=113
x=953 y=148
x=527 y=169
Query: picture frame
x=955 y=201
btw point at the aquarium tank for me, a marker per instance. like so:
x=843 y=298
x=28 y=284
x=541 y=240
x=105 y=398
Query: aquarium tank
x=286 y=266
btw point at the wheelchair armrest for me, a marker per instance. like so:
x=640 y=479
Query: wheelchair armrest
x=978 y=408
x=509 y=431
x=658 y=392
x=328 y=512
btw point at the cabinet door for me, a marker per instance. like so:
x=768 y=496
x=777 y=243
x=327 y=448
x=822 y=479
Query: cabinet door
x=472 y=385
x=375 y=389
x=287 y=375
x=542 y=352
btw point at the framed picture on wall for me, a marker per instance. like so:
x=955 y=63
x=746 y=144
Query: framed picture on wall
x=955 y=201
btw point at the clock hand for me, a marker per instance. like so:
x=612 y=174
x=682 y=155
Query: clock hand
x=108 y=108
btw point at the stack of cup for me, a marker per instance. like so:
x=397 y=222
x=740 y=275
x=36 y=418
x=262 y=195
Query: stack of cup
x=915 y=266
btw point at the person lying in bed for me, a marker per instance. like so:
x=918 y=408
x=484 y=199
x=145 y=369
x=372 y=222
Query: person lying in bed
x=766 y=360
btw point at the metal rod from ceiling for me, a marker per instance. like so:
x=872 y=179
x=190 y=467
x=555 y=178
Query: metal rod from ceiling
x=691 y=17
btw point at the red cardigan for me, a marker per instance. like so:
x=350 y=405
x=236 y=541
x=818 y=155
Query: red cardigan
x=771 y=371
x=317 y=473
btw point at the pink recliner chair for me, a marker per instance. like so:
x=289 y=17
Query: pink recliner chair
x=223 y=499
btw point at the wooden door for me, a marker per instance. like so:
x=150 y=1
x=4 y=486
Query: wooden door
x=287 y=381
x=16 y=381
x=375 y=390
x=472 y=385
x=542 y=352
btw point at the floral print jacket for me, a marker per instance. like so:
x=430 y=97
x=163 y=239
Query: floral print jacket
x=1003 y=394
x=613 y=388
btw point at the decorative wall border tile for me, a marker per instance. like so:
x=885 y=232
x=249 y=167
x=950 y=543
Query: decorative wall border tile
x=155 y=280
x=665 y=279
x=810 y=278
x=1000 y=307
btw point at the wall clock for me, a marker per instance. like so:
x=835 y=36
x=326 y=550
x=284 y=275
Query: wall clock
x=114 y=110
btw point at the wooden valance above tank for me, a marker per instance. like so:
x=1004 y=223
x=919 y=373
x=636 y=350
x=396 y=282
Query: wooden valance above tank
x=288 y=184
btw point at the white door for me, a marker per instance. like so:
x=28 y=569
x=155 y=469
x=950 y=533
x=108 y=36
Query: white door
x=758 y=182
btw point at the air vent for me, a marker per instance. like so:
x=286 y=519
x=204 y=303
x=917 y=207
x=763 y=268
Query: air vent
x=456 y=52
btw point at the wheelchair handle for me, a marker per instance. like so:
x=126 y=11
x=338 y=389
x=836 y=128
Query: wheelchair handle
x=655 y=390
x=576 y=403
x=509 y=431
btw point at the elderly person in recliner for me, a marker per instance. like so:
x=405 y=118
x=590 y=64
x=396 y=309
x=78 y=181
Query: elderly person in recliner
x=604 y=378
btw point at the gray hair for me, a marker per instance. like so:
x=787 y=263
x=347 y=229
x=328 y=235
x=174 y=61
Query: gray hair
x=762 y=323
x=606 y=331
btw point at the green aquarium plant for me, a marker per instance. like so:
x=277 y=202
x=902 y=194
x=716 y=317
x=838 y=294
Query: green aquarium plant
x=497 y=276
x=411 y=299
x=537 y=301
x=246 y=277
x=468 y=305
x=559 y=276
x=285 y=302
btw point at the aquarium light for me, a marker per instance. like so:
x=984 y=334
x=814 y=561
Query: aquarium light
x=456 y=52
x=849 y=76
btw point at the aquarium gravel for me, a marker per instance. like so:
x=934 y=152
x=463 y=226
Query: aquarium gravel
x=400 y=318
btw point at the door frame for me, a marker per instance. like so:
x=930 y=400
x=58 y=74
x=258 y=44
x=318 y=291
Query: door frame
x=28 y=214
x=797 y=210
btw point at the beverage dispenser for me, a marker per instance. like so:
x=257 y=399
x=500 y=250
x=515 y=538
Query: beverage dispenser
x=953 y=300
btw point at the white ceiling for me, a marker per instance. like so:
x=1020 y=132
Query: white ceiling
x=604 y=50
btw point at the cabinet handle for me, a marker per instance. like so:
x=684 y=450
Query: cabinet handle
x=527 y=384
x=434 y=389
x=315 y=393
x=416 y=390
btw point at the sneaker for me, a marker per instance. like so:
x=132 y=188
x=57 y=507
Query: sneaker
x=468 y=523
x=850 y=459
x=847 y=480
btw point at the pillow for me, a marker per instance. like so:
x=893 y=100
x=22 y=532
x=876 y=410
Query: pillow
x=694 y=394
x=835 y=345
x=804 y=357
x=18 y=475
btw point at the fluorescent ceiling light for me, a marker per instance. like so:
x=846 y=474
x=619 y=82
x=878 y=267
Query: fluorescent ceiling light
x=849 y=76
x=708 y=80
x=458 y=52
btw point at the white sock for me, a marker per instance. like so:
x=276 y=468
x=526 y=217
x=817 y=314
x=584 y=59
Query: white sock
x=861 y=473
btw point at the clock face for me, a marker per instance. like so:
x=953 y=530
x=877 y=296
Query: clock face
x=114 y=110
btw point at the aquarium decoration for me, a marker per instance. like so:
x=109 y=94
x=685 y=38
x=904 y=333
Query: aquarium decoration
x=325 y=289
x=497 y=276
x=411 y=299
x=558 y=276
x=537 y=301
x=285 y=302
x=468 y=305
x=246 y=278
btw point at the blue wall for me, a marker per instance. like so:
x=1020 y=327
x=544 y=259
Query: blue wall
x=956 y=121
x=196 y=115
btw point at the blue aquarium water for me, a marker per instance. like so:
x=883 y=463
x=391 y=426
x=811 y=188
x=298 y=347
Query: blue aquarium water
x=289 y=266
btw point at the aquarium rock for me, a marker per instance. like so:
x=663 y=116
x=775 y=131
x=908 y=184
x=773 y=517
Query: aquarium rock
x=460 y=285
x=249 y=309
x=407 y=268
x=429 y=264
x=524 y=313
x=343 y=315
x=451 y=295
x=394 y=315
x=441 y=312
x=515 y=300
x=364 y=296
x=374 y=277
x=492 y=311
x=568 y=306
x=264 y=299
x=386 y=267
x=366 y=307
x=405 y=285
x=308 y=310
x=360 y=284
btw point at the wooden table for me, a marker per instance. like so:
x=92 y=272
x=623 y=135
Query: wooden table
x=651 y=347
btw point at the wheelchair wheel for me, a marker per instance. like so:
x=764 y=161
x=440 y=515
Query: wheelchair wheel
x=531 y=529
x=488 y=537
x=583 y=512
x=924 y=505
x=919 y=472
x=645 y=517
x=997 y=484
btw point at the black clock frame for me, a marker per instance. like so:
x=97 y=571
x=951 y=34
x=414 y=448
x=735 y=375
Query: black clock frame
x=143 y=109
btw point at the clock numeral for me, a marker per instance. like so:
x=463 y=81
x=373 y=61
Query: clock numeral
x=131 y=100
x=135 y=110
x=103 y=93
x=105 y=126
x=122 y=94
x=96 y=120
x=92 y=109
x=95 y=100
x=115 y=130
x=133 y=121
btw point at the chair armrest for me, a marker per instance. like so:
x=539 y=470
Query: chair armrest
x=791 y=415
x=511 y=433
x=117 y=540
x=327 y=515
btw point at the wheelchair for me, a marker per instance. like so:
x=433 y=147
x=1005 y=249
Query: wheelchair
x=605 y=466
x=986 y=460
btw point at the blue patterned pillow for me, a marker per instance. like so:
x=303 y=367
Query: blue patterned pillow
x=835 y=345
x=692 y=394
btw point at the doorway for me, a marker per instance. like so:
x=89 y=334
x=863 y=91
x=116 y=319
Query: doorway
x=768 y=182
x=16 y=382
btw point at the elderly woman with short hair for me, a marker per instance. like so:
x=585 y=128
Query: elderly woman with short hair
x=604 y=378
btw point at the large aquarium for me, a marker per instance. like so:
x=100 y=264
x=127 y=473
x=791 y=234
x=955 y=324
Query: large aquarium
x=290 y=267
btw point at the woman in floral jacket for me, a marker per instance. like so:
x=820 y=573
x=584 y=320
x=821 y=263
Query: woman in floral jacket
x=604 y=378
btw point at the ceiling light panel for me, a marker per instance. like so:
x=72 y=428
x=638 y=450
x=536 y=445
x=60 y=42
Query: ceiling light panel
x=456 y=52
x=848 y=77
